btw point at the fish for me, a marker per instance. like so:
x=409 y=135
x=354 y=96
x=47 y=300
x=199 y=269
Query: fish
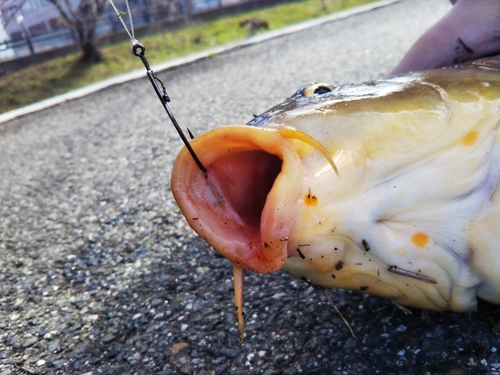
x=388 y=187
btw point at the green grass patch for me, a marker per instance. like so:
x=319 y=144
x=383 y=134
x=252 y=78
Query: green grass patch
x=66 y=73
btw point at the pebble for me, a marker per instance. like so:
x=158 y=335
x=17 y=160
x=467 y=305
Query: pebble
x=156 y=302
x=29 y=342
x=14 y=317
x=108 y=338
x=53 y=345
x=221 y=369
x=59 y=363
x=230 y=353
x=350 y=344
x=134 y=359
x=401 y=328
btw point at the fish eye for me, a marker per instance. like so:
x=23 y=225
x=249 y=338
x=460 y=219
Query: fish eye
x=322 y=90
x=317 y=89
x=312 y=89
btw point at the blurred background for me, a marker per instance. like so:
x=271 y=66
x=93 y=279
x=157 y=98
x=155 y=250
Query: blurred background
x=50 y=47
x=30 y=27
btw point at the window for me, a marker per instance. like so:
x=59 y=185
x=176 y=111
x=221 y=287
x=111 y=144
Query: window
x=18 y=35
x=56 y=24
x=38 y=29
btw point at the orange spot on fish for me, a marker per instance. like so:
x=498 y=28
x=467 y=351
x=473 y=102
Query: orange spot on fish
x=311 y=200
x=420 y=239
x=470 y=138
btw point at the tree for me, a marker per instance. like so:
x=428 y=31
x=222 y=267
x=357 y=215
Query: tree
x=83 y=19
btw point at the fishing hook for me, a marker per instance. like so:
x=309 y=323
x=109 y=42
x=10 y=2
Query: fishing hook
x=139 y=50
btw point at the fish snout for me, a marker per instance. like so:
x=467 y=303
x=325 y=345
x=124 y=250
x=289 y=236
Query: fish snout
x=244 y=205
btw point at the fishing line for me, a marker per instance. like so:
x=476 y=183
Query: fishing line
x=139 y=50
x=322 y=290
x=129 y=14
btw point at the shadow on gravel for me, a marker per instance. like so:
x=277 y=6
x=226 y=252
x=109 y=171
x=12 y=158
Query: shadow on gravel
x=174 y=315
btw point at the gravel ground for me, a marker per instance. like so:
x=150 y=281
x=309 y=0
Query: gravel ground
x=101 y=274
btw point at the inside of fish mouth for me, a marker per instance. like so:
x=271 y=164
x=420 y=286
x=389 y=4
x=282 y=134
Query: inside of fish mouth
x=245 y=179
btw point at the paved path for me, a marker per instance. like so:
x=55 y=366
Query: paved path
x=100 y=273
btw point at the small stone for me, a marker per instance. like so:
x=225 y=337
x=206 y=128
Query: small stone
x=156 y=302
x=108 y=338
x=186 y=370
x=58 y=363
x=218 y=360
x=113 y=352
x=401 y=328
x=14 y=317
x=278 y=295
x=221 y=369
x=279 y=358
x=229 y=353
x=202 y=270
x=136 y=316
x=311 y=344
x=134 y=359
x=29 y=342
x=350 y=344
x=177 y=348
x=53 y=345
x=40 y=362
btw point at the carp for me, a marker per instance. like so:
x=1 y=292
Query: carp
x=387 y=187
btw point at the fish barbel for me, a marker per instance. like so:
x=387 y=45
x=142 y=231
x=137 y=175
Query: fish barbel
x=387 y=187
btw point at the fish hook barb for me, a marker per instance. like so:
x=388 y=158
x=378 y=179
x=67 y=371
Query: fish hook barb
x=139 y=50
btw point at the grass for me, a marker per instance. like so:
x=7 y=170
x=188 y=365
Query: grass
x=66 y=73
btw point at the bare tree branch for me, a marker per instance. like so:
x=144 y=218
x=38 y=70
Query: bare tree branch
x=83 y=19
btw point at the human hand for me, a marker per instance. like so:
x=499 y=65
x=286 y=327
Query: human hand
x=470 y=30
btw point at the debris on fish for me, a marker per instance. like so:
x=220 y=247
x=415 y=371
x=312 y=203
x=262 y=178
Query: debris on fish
x=387 y=187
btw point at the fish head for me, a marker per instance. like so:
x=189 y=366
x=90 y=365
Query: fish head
x=341 y=187
x=245 y=205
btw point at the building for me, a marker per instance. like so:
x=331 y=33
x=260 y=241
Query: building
x=35 y=17
x=33 y=26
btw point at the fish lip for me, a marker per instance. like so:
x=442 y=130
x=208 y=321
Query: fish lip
x=260 y=249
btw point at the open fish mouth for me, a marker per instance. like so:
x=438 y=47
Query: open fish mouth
x=245 y=204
